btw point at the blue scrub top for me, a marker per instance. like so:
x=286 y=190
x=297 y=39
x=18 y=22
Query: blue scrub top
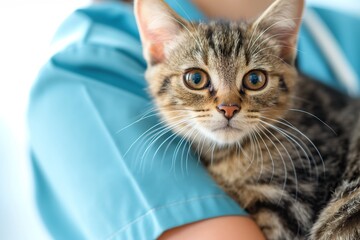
x=104 y=167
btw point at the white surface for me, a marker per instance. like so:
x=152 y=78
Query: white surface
x=26 y=28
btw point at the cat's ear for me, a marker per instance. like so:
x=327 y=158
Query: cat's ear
x=159 y=25
x=282 y=20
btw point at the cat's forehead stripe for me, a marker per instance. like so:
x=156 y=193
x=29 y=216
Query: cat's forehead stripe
x=224 y=38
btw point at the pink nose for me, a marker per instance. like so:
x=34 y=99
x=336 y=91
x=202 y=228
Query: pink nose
x=228 y=110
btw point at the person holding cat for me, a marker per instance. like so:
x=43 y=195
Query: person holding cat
x=100 y=166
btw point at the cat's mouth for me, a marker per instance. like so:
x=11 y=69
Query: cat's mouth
x=226 y=129
x=227 y=134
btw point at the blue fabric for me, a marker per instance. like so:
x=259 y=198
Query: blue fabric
x=87 y=108
x=345 y=27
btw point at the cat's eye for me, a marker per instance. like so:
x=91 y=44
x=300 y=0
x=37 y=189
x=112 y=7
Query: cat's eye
x=196 y=79
x=255 y=80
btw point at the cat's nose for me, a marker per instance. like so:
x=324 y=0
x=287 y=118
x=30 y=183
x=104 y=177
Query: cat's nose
x=229 y=110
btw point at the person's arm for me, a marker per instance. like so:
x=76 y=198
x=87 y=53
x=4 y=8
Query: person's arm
x=224 y=228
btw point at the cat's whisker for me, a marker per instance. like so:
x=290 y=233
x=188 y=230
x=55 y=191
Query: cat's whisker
x=178 y=132
x=157 y=136
x=192 y=24
x=193 y=135
x=290 y=138
x=190 y=147
x=301 y=145
x=274 y=46
x=142 y=117
x=161 y=124
x=155 y=133
x=295 y=141
x=260 y=50
x=301 y=99
x=268 y=28
x=241 y=152
x=270 y=155
x=261 y=34
x=251 y=38
x=286 y=121
x=154 y=111
x=175 y=156
x=181 y=142
x=203 y=145
x=169 y=141
x=175 y=134
x=292 y=141
x=282 y=60
x=163 y=132
x=144 y=134
x=152 y=134
x=200 y=150
x=211 y=151
x=259 y=153
x=312 y=115
x=137 y=121
x=256 y=50
x=250 y=158
x=291 y=160
x=189 y=32
x=252 y=154
x=172 y=137
x=302 y=134
x=281 y=157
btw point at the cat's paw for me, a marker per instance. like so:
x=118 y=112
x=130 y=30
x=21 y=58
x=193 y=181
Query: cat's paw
x=340 y=220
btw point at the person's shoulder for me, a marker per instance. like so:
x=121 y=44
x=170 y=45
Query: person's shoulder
x=100 y=42
x=106 y=24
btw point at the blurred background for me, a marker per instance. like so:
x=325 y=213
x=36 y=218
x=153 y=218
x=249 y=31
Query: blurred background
x=26 y=29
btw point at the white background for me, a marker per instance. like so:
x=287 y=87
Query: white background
x=26 y=28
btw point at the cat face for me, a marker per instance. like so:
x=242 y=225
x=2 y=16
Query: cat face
x=218 y=80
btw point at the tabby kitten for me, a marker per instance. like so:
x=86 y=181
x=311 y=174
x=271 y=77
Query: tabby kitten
x=262 y=130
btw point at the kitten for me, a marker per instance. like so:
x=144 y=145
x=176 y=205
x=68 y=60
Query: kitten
x=262 y=130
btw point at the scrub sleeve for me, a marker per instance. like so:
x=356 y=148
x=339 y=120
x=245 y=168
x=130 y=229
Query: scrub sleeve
x=105 y=168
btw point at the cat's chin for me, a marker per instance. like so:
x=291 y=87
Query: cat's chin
x=225 y=135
